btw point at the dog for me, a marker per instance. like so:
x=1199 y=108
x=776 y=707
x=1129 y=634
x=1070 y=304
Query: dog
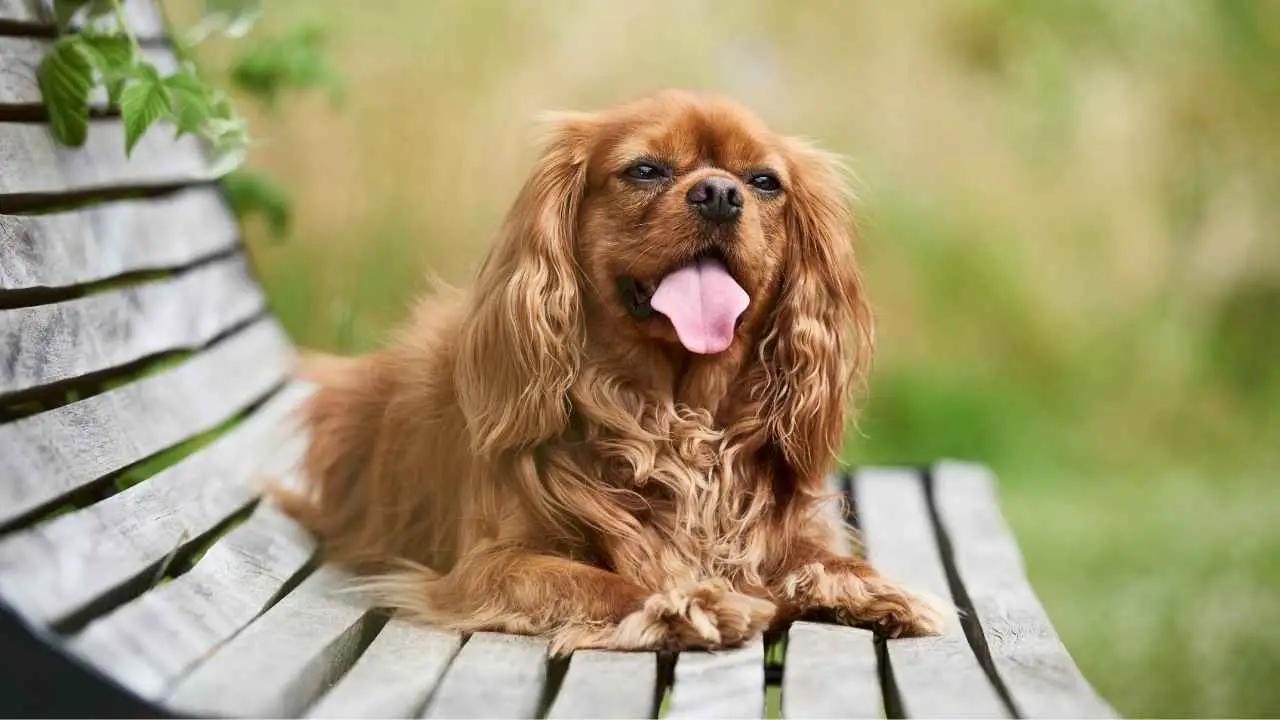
x=619 y=437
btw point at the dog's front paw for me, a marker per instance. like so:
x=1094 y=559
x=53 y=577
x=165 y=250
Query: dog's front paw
x=706 y=615
x=866 y=600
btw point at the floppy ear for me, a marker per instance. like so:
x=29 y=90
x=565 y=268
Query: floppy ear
x=820 y=344
x=520 y=343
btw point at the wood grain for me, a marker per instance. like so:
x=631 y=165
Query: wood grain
x=1036 y=668
x=143 y=16
x=52 y=343
x=59 y=567
x=936 y=676
x=830 y=672
x=720 y=684
x=494 y=675
x=395 y=676
x=284 y=660
x=57 y=452
x=20 y=56
x=111 y=239
x=35 y=164
x=603 y=684
x=150 y=642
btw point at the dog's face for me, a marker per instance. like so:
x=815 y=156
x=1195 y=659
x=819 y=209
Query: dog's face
x=678 y=222
x=681 y=228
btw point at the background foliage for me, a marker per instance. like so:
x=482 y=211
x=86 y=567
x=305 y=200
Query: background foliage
x=1069 y=232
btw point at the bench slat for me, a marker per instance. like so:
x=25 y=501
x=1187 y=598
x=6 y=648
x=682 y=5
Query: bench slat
x=59 y=567
x=719 y=684
x=830 y=672
x=283 y=661
x=1036 y=668
x=603 y=684
x=149 y=642
x=20 y=56
x=144 y=16
x=494 y=675
x=62 y=341
x=395 y=676
x=57 y=452
x=935 y=676
x=34 y=163
x=111 y=239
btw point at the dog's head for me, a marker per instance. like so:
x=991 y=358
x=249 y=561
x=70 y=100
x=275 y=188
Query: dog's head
x=678 y=221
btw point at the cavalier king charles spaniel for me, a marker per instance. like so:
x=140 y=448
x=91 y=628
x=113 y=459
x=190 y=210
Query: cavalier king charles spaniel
x=619 y=438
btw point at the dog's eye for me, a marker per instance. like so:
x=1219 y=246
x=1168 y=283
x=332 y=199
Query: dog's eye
x=765 y=182
x=646 y=171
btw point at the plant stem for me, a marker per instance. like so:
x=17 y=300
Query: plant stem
x=118 y=8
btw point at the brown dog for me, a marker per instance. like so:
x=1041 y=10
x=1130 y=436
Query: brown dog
x=619 y=438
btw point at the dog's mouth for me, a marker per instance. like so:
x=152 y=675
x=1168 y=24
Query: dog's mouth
x=701 y=299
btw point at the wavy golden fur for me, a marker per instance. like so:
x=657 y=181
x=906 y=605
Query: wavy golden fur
x=542 y=456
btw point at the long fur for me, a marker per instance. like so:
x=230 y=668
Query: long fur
x=519 y=458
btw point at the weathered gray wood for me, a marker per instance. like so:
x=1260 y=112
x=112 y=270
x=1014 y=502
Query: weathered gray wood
x=59 y=567
x=20 y=56
x=830 y=673
x=54 y=453
x=936 y=676
x=394 y=677
x=144 y=16
x=495 y=675
x=34 y=163
x=61 y=341
x=1036 y=668
x=280 y=663
x=720 y=684
x=151 y=641
x=603 y=684
x=103 y=241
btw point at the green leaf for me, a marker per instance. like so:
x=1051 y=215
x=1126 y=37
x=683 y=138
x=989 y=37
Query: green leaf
x=256 y=193
x=192 y=101
x=66 y=77
x=294 y=61
x=113 y=57
x=144 y=101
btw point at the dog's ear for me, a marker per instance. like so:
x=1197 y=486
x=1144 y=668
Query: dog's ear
x=820 y=343
x=520 y=344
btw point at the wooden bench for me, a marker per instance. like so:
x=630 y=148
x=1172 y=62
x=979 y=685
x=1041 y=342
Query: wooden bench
x=144 y=391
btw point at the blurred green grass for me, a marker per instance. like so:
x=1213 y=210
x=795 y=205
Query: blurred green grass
x=1069 y=233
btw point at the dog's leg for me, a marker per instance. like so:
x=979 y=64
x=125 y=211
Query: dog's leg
x=575 y=604
x=847 y=590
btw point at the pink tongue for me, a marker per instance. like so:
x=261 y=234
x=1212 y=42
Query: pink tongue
x=703 y=302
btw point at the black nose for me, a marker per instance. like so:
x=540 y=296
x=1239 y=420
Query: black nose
x=716 y=198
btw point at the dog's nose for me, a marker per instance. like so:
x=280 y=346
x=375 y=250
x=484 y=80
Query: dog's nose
x=716 y=198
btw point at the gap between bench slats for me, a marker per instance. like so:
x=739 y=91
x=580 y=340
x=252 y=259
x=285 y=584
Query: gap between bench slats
x=494 y=675
x=61 y=566
x=936 y=676
x=603 y=684
x=394 y=676
x=47 y=344
x=719 y=684
x=143 y=16
x=156 y=638
x=1029 y=657
x=37 y=170
x=20 y=95
x=78 y=247
x=50 y=455
x=281 y=662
